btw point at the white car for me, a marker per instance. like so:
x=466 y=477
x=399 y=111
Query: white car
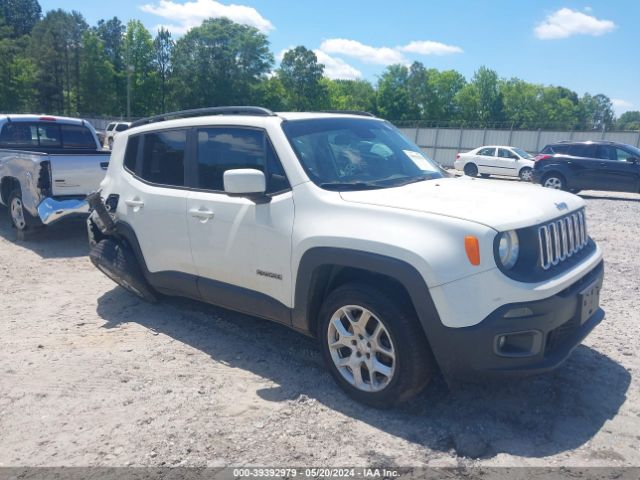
x=338 y=227
x=112 y=130
x=496 y=160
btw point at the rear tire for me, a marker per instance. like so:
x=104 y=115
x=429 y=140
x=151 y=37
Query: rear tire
x=555 y=181
x=471 y=170
x=24 y=223
x=119 y=263
x=384 y=359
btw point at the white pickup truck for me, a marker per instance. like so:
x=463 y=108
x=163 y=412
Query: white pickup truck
x=47 y=167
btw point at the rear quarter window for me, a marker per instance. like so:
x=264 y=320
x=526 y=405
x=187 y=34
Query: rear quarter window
x=131 y=153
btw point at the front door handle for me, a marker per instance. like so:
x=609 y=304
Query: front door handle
x=202 y=214
x=134 y=203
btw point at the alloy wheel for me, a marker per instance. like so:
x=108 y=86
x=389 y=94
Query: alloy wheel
x=17 y=213
x=361 y=348
x=553 y=182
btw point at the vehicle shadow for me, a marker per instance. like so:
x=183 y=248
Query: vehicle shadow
x=591 y=196
x=533 y=417
x=66 y=239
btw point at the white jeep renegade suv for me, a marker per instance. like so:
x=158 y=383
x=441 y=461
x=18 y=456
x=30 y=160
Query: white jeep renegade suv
x=339 y=227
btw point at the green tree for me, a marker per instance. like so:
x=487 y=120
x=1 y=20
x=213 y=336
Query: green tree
x=17 y=72
x=560 y=108
x=597 y=110
x=444 y=87
x=270 y=93
x=20 y=15
x=163 y=46
x=219 y=63
x=301 y=76
x=96 y=78
x=629 y=121
x=139 y=58
x=490 y=102
x=351 y=95
x=55 y=47
x=522 y=103
x=393 y=94
x=111 y=32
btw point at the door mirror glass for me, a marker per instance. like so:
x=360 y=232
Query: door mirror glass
x=244 y=181
x=635 y=160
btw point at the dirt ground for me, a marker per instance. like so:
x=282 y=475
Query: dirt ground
x=91 y=376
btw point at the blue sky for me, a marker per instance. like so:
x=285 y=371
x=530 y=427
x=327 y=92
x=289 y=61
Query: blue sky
x=588 y=46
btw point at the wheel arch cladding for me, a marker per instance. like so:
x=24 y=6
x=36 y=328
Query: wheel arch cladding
x=8 y=185
x=322 y=269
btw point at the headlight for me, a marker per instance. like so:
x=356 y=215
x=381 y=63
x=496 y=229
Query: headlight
x=508 y=248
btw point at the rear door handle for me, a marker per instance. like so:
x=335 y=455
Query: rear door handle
x=134 y=203
x=202 y=214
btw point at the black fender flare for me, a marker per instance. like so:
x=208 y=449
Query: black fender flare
x=308 y=281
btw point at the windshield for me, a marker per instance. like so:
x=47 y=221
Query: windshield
x=633 y=150
x=354 y=154
x=522 y=153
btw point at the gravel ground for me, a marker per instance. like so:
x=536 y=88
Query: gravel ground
x=91 y=376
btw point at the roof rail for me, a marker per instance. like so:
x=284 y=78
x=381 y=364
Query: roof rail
x=350 y=112
x=200 y=112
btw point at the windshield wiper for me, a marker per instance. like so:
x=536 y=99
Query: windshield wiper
x=407 y=181
x=349 y=186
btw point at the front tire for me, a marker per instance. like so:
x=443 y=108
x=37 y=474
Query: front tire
x=471 y=170
x=375 y=350
x=554 y=181
x=119 y=263
x=526 y=174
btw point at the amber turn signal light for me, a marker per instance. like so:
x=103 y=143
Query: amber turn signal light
x=472 y=246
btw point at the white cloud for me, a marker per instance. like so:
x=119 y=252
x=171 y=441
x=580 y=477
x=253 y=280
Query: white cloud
x=620 y=105
x=566 y=22
x=184 y=16
x=336 y=68
x=385 y=55
x=365 y=53
x=428 y=47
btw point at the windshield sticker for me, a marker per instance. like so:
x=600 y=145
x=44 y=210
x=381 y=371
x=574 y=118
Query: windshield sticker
x=420 y=161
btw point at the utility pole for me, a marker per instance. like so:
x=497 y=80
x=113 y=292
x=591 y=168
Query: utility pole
x=130 y=70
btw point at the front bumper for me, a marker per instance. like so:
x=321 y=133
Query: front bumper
x=555 y=324
x=50 y=210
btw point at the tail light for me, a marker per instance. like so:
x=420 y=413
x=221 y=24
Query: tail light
x=44 y=177
x=542 y=156
x=457 y=156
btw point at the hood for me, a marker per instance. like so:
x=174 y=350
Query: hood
x=502 y=205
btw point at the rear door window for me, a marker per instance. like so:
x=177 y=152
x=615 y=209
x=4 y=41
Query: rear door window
x=163 y=157
x=582 y=150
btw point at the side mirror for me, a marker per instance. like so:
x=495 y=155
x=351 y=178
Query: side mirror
x=244 y=181
x=634 y=160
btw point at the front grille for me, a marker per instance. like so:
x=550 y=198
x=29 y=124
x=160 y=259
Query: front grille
x=562 y=238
